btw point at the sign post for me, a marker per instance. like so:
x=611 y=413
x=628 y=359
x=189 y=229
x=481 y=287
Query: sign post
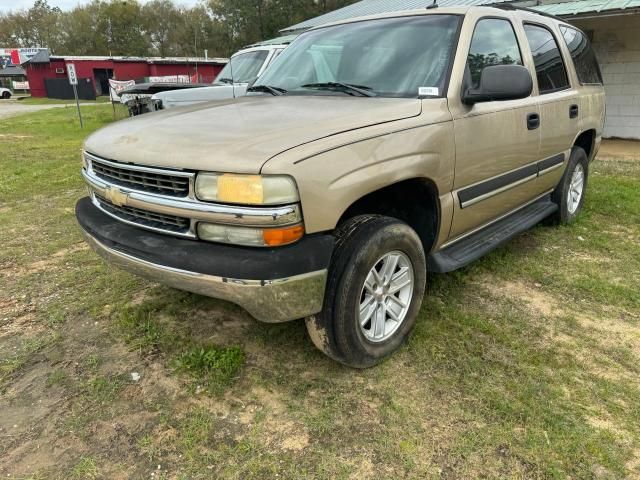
x=73 y=80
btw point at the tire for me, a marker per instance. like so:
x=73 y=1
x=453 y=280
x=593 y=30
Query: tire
x=6 y=95
x=569 y=207
x=363 y=243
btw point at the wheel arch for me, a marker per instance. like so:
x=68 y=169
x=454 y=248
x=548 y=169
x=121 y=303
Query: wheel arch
x=415 y=201
x=587 y=141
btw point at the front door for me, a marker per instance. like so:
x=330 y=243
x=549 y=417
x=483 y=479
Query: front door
x=497 y=143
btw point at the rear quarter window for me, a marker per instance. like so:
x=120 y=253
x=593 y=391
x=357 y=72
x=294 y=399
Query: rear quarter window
x=584 y=59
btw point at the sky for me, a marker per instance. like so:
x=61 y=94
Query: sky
x=7 y=5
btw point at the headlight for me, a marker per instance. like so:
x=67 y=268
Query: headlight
x=246 y=189
x=252 y=237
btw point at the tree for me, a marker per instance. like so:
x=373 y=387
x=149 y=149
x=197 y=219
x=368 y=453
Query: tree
x=121 y=24
x=162 y=23
x=79 y=35
x=124 y=27
x=36 y=27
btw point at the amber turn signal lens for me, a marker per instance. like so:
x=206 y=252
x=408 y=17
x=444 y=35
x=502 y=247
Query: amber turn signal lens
x=281 y=236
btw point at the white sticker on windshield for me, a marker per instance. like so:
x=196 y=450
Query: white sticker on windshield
x=428 y=91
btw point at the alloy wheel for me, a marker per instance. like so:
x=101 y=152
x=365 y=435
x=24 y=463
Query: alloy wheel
x=386 y=296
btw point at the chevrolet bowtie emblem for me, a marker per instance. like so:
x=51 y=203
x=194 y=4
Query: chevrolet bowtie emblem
x=116 y=196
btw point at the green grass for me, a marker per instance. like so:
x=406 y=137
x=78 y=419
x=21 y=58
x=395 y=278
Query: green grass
x=57 y=101
x=522 y=365
x=216 y=366
x=85 y=469
x=145 y=329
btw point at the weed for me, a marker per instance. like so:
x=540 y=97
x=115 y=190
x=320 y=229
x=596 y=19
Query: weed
x=103 y=389
x=214 y=366
x=57 y=377
x=141 y=328
x=85 y=469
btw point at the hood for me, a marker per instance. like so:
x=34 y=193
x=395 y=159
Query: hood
x=240 y=135
x=155 y=87
x=176 y=98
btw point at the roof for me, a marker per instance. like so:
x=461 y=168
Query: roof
x=284 y=40
x=570 y=9
x=12 y=72
x=72 y=58
x=41 y=57
x=375 y=7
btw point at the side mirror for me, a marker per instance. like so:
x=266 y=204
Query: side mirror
x=500 y=82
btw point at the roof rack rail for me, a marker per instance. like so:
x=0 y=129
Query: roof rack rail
x=511 y=6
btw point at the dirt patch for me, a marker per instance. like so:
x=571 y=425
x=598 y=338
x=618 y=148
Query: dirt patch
x=279 y=432
x=363 y=469
x=13 y=136
x=41 y=265
x=623 y=233
x=25 y=324
x=627 y=149
x=607 y=424
x=296 y=441
x=531 y=295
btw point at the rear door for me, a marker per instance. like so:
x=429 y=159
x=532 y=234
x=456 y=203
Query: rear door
x=497 y=143
x=559 y=101
x=586 y=74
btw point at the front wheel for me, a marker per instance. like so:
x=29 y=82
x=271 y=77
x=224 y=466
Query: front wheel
x=374 y=291
x=6 y=95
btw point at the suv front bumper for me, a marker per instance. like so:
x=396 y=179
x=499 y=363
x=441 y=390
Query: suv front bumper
x=272 y=284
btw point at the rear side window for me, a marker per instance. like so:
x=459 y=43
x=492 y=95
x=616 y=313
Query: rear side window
x=582 y=55
x=550 y=70
x=494 y=43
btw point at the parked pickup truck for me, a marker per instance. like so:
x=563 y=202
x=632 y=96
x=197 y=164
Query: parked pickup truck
x=243 y=67
x=373 y=152
x=5 y=93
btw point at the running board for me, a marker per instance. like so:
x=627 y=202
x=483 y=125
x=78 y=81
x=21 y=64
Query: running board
x=468 y=249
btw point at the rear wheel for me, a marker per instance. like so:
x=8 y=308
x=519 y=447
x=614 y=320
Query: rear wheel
x=570 y=192
x=6 y=95
x=374 y=291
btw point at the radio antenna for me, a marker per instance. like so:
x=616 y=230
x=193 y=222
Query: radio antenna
x=433 y=5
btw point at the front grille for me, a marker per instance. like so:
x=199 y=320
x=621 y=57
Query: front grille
x=145 y=218
x=161 y=183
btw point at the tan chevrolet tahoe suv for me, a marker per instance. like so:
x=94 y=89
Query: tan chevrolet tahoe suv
x=371 y=152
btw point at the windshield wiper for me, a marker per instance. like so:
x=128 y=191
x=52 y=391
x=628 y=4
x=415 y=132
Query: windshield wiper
x=224 y=80
x=347 y=88
x=277 y=91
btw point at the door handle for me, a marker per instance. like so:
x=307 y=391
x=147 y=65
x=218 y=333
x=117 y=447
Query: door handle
x=533 y=121
x=573 y=111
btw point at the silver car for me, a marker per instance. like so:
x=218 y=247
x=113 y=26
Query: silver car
x=243 y=67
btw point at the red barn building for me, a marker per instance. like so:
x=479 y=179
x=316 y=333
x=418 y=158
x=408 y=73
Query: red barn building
x=47 y=74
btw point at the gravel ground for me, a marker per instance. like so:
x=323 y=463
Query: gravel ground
x=10 y=108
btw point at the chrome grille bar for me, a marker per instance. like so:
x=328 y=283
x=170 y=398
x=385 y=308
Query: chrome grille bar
x=148 y=182
x=141 y=218
x=152 y=180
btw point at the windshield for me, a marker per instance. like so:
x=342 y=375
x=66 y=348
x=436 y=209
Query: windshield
x=243 y=66
x=390 y=57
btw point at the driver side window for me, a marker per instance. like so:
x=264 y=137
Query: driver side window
x=494 y=42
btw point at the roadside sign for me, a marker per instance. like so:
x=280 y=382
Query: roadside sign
x=71 y=73
x=73 y=80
